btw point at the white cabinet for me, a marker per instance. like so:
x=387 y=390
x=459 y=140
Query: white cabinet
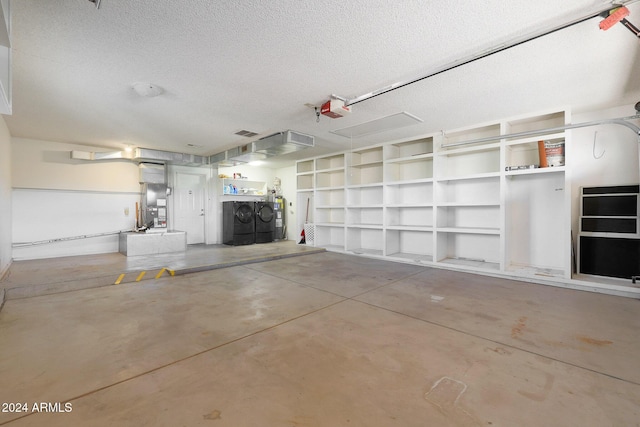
x=537 y=230
x=470 y=199
x=537 y=202
x=468 y=227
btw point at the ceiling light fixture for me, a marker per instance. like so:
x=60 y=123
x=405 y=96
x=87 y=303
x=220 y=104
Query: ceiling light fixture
x=96 y=2
x=148 y=90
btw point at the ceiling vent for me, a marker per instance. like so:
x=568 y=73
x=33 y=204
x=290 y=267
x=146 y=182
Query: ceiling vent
x=283 y=143
x=246 y=133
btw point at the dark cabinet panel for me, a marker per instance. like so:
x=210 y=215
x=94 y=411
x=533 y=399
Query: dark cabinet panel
x=613 y=257
x=610 y=225
x=610 y=205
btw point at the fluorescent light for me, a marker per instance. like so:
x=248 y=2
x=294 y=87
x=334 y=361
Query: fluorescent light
x=256 y=163
x=382 y=124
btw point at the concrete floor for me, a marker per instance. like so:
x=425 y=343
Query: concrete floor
x=48 y=276
x=320 y=339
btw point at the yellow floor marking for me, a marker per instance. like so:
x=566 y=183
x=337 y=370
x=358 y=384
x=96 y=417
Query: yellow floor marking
x=141 y=275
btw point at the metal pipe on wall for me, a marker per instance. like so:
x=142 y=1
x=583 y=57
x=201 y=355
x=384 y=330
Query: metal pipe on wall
x=620 y=121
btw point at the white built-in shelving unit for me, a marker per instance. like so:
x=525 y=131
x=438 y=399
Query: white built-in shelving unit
x=448 y=200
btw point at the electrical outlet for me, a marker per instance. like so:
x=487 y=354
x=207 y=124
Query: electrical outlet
x=126 y=211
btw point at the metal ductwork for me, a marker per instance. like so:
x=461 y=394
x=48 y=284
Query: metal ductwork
x=283 y=143
x=224 y=159
x=273 y=145
x=245 y=153
x=144 y=155
x=102 y=155
x=169 y=157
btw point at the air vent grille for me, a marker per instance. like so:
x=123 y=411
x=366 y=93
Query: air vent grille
x=246 y=133
x=301 y=138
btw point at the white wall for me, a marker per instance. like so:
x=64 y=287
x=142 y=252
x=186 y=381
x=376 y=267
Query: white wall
x=613 y=161
x=56 y=197
x=48 y=165
x=6 y=254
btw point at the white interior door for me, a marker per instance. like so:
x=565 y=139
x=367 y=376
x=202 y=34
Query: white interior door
x=189 y=198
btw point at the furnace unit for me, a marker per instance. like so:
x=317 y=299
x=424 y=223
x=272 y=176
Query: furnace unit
x=154 y=196
x=154 y=206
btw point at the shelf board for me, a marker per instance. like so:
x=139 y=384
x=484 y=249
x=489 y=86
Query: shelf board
x=356 y=186
x=366 y=206
x=494 y=146
x=411 y=257
x=467 y=262
x=363 y=251
x=306 y=173
x=330 y=207
x=534 y=139
x=244 y=181
x=468 y=205
x=411 y=159
x=536 y=171
x=409 y=181
x=368 y=226
x=329 y=224
x=469 y=230
x=410 y=205
x=331 y=188
x=425 y=228
x=336 y=248
x=243 y=195
x=486 y=175
x=331 y=170
x=367 y=164
x=531 y=271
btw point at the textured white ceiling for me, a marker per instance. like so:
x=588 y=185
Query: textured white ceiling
x=253 y=64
